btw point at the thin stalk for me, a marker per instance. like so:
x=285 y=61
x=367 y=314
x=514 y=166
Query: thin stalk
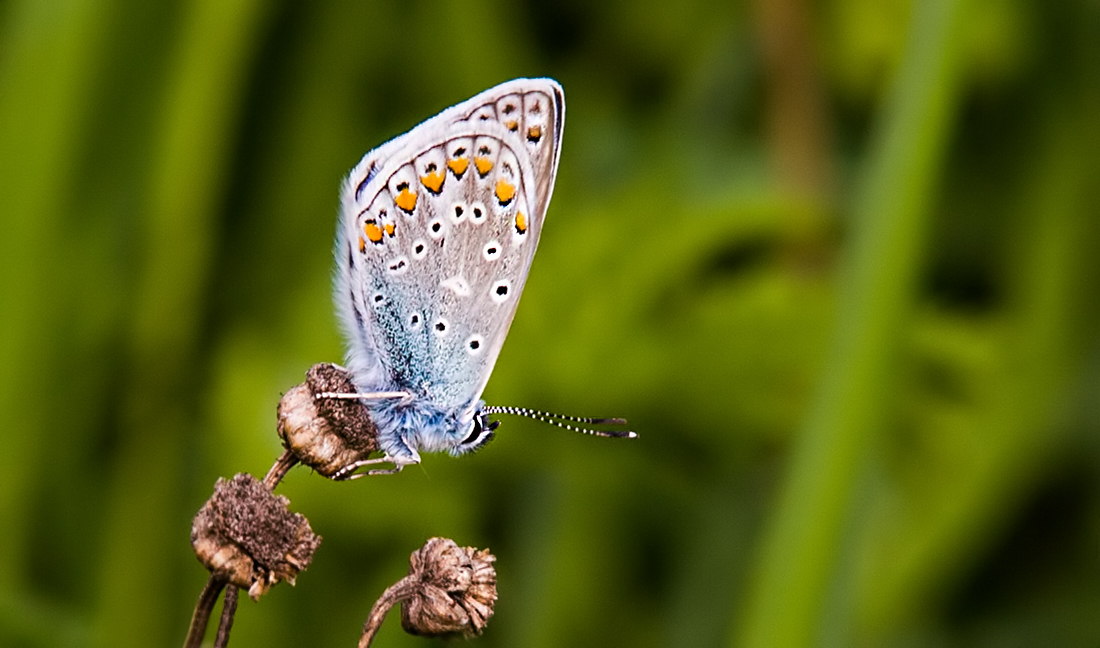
x=229 y=608
x=203 y=608
x=279 y=469
x=214 y=585
x=397 y=592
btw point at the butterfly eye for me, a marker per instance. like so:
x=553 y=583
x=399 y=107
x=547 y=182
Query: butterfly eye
x=481 y=432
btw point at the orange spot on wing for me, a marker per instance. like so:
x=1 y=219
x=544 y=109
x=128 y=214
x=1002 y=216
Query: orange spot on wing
x=511 y=125
x=505 y=191
x=373 y=231
x=406 y=200
x=521 y=222
x=389 y=227
x=458 y=166
x=484 y=165
x=362 y=245
x=534 y=134
x=433 y=181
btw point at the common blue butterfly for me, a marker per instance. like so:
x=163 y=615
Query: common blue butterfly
x=437 y=231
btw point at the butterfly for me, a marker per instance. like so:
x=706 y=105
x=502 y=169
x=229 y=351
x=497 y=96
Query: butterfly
x=437 y=231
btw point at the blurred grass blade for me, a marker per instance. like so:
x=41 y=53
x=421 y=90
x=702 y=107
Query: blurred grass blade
x=949 y=511
x=191 y=160
x=48 y=55
x=803 y=546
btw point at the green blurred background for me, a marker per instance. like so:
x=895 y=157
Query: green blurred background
x=835 y=260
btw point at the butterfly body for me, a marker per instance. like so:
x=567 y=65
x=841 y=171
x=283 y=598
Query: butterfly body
x=437 y=231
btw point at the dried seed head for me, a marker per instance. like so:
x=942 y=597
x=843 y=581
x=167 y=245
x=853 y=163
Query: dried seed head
x=248 y=535
x=455 y=591
x=326 y=434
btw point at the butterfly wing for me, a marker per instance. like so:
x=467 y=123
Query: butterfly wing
x=437 y=232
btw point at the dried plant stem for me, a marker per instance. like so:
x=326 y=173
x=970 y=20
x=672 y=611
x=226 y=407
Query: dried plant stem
x=399 y=591
x=796 y=120
x=229 y=608
x=282 y=466
x=203 y=608
x=205 y=605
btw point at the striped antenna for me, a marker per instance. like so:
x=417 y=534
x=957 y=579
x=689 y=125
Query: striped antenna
x=557 y=419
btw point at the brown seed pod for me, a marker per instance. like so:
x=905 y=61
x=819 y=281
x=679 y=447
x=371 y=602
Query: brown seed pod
x=326 y=434
x=457 y=590
x=450 y=591
x=248 y=536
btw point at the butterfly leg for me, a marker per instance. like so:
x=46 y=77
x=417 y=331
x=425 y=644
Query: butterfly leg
x=348 y=472
x=364 y=396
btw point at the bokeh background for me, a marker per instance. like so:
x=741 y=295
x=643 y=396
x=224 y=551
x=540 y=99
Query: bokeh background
x=836 y=260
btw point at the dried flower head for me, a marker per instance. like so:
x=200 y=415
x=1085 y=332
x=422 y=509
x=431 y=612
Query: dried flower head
x=326 y=434
x=457 y=589
x=247 y=535
x=450 y=591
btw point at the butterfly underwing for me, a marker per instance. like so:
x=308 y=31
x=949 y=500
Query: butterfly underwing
x=437 y=231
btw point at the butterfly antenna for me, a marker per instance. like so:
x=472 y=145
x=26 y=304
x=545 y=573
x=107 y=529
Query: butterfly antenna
x=558 y=420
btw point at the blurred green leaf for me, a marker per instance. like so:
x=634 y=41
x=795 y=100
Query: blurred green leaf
x=804 y=545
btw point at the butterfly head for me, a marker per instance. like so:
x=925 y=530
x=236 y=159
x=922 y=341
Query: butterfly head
x=481 y=432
